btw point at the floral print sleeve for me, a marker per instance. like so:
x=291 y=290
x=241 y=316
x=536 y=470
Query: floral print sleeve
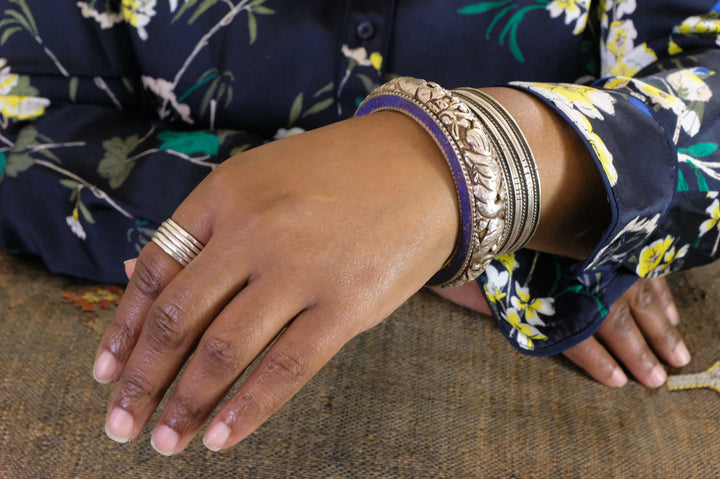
x=651 y=125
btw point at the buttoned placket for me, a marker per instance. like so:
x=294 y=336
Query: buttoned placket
x=363 y=51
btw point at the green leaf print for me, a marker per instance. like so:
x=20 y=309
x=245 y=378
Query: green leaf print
x=3 y=164
x=483 y=7
x=17 y=163
x=190 y=142
x=296 y=109
x=512 y=24
x=699 y=150
x=116 y=164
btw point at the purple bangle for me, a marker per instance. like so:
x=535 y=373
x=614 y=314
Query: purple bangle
x=432 y=125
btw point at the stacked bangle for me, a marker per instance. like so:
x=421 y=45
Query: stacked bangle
x=495 y=176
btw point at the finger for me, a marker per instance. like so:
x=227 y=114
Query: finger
x=622 y=336
x=130 y=267
x=665 y=297
x=238 y=335
x=307 y=344
x=153 y=270
x=650 y=314
x=173 y=323
x=592 y=357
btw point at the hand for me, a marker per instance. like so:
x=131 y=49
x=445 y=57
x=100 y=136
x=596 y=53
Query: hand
x=639 y=328
x=643 y=320
x=309 y=241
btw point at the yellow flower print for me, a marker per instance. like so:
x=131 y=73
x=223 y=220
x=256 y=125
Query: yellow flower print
x=526 y=333
x=621 y=37
x=657 y=258
x=674 y=48
x=138 y=13
x=524 y=302
x=376 y=60
x=699 y=24
x=22 y=107
x=574 y=10
x=496 y=282
x=619 y=9
x=620 y=55
x=714 y=211
x=19 y=107
x=360 y=56
x=579 y=103
x=508 y=260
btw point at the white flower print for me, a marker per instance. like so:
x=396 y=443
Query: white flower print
x=574 y=10
x=164 y=90
x=73 y=221
x=138 y=13
x=104 y=19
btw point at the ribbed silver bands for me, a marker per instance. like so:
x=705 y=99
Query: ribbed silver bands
x=522 y=182
x=177 y=242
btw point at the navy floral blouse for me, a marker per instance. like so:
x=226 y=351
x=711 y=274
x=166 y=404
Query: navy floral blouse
x=111 y=111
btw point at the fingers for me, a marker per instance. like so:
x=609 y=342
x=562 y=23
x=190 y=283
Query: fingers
x=637 y=328
x=238 y=335
x=307 y=344
x=172 y=324
x=153 y=271
x=592 y=356
x=650 y=312
x=665 y=298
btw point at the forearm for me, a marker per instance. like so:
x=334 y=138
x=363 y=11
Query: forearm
x=574 y=209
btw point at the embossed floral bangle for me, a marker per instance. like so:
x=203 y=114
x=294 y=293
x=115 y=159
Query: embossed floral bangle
x=486 y=153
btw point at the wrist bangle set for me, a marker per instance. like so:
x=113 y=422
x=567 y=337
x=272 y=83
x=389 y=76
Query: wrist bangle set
x=495 y=175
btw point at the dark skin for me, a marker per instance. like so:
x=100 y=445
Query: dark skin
x=310 y=241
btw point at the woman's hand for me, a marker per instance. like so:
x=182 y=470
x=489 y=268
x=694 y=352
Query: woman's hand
x=639 y=328
x=309 y=241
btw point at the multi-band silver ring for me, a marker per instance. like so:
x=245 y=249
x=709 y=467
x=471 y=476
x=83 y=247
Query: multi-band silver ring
x=178 y=243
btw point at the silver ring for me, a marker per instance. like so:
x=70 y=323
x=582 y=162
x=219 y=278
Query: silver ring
x=178 y=243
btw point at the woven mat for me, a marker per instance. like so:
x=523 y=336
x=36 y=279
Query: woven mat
x=434 y=391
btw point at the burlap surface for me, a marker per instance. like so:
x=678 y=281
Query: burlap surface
x=432 y=392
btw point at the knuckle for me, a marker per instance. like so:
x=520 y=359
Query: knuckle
x=285 y=366
x=621 y=320
x=165 y=326
x=249 y=404
x=184 y=409
x=669 y=336
x=646 y=359
x=136 y=388
x=218 y=354
x=147 y=278
x=644 y=294
x=123 y=338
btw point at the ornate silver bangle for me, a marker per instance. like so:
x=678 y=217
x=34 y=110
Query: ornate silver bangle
x=488 y=163
x=522 y=178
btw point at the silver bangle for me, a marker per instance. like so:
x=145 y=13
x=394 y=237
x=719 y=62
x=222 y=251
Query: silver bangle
x=522 y=177
x=494 y=171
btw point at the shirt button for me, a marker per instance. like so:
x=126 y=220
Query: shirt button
x=365 y=30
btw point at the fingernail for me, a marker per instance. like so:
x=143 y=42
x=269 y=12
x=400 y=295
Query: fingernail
x=618 y=378
x=672 y=314
x=164 y=440
x=119 y=425
x=129 y=261
x=105 y=368
x=681 y=354
x=657 y=376
x=216 y=437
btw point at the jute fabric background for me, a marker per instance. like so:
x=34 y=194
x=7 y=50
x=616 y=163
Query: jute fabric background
x=435 y=391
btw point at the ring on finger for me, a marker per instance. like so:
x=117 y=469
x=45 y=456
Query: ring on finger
x=178 y=243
